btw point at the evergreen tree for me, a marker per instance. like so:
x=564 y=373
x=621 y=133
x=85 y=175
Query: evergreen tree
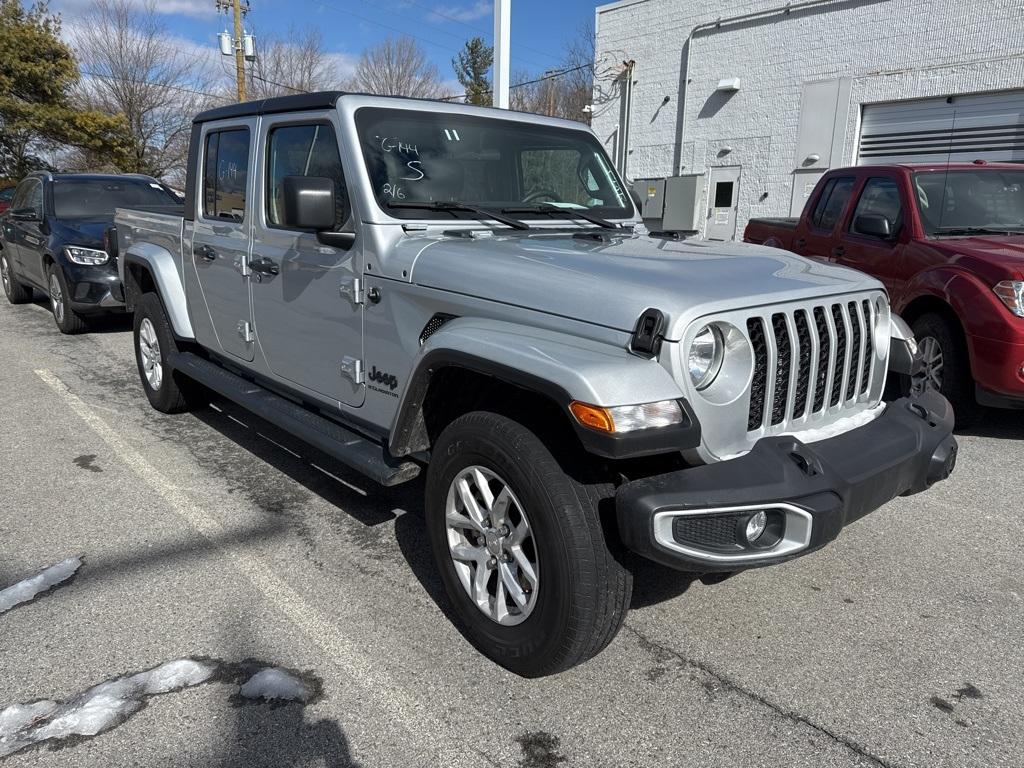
x=471 y=67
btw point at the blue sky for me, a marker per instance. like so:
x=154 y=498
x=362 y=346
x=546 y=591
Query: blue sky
x=539 y=27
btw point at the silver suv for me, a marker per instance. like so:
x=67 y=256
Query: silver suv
x=408 y=284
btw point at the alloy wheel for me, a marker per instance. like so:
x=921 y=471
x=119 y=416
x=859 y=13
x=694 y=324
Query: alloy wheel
x=56 y=298
x=5 y=275
x=931 y=364
x=149 y=349
x=492 y=545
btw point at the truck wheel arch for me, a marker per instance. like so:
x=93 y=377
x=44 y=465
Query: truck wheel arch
x=512 y=375
x=149 y=268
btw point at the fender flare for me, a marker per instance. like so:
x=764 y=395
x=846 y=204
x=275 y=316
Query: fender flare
x=163 y=268
x=555 y=365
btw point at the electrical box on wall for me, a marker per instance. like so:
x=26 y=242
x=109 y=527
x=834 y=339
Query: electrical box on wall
x=652 y=197
x=684 y=203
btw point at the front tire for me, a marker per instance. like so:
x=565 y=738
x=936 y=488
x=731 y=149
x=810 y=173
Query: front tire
x=520 y=548
x=154 y=342
x=68 y=321
x=15 y=292
x=946 y=366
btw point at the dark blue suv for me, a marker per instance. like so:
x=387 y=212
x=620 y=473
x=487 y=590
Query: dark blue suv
x=52 y=240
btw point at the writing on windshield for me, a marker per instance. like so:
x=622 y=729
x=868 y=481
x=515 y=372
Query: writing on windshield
x=492 y=163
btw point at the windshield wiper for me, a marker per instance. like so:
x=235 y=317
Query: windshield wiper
x=975 y=231
x=568 y=212
x=445 y=205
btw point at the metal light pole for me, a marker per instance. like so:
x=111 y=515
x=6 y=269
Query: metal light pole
x=502 y=35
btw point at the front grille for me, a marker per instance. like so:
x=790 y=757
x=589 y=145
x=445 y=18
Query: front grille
x=807 y=358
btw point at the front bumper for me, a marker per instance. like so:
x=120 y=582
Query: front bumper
x=694 y=519
x=94 y=289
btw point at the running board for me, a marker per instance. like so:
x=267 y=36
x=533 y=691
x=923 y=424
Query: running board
x=351 y=449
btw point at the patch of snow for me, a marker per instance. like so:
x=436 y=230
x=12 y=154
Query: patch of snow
x=46 y=579
x=98 y=709
x=274 y=683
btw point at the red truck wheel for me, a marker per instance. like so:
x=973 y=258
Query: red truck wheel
x=947 y=366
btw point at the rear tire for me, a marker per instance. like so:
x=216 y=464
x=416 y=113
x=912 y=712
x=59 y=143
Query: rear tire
x=68 y=321
x=947 y=366
x=16 y=292
x=580 y=593
x=154 y=342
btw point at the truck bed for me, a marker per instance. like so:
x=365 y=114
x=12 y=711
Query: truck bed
x=160 y=226
x=779 y=229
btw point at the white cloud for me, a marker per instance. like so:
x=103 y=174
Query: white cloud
x=344 y=64
x=200 y=9
x=478 y=10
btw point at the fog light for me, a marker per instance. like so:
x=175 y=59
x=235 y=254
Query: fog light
x=756 y=525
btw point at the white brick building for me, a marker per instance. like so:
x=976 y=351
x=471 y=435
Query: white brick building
x=823 y=84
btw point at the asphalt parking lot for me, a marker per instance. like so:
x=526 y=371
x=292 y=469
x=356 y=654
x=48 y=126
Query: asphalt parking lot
x=212 y=536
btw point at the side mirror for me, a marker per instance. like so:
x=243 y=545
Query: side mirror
x=873 y=225
x=309 y=203
x=26 y=214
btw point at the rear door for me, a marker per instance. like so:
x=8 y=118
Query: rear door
x=880 y=195
x=815 y=237
x=222 y=232
x=308 y=316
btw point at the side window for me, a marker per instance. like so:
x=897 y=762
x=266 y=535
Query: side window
x=304 y=150
x=832 y=202
x=23 y=194
x=226 y=174
x=880 y=197
x=35 y=198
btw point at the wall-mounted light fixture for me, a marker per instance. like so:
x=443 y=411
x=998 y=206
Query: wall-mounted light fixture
x=729 y=84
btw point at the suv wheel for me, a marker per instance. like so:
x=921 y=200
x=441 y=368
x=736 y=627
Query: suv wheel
x=67 y=320
x=520 y=548
x=16 y=293
x=153 y=343
x=946 y=367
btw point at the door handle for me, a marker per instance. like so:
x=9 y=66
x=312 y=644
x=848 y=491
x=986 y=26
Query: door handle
x=800 y=243
x=205 y=252
x=264 y=266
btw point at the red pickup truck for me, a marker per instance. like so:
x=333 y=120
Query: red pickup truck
x=948 y=243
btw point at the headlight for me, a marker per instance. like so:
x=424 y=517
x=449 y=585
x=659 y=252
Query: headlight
x=705 y=358
x=1012 y=294
x=627 y=418
x=86 y=256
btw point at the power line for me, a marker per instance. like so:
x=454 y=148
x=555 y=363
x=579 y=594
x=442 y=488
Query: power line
x=104 y=76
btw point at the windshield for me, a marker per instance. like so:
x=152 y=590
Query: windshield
x=490 y=163
x=97 y=198
x=956 y=202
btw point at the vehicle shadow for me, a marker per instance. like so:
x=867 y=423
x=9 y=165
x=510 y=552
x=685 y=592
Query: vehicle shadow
x=998 y=424
x=107 y=322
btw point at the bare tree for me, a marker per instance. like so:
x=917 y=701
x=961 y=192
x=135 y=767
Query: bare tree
x=295 y=63
x=565 y=90
x=130 y=68
x=396 y=67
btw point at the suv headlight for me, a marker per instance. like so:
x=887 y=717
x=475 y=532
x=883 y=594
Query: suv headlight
x=705 y=357
x=1011 y=292
x=627 y=418
x=89 y=257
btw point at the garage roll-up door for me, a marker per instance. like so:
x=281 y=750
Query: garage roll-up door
x=981 y=127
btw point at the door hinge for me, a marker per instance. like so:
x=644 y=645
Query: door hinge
x=245 y=331
x=352 y=368
x=354 y=290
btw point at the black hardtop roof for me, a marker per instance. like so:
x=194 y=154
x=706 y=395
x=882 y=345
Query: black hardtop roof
x=301 y=101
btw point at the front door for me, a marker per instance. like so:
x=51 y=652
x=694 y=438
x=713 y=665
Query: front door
x=26 y=233
x=220 y=242
x=309 y=322
x=880 y=196
x=723 y=197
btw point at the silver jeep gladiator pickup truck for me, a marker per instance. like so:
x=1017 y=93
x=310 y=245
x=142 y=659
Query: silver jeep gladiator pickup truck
x=408 y=284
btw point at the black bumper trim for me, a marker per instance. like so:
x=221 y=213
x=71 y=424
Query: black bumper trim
x=903 y=451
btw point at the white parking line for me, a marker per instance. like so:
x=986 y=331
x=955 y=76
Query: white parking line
x=409 y=712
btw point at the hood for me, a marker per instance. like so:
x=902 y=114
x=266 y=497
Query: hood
x=610 y=282
x=87 y=233
x=998 y=257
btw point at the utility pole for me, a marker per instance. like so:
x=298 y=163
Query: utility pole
x=241 y=45
x=502 y=35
